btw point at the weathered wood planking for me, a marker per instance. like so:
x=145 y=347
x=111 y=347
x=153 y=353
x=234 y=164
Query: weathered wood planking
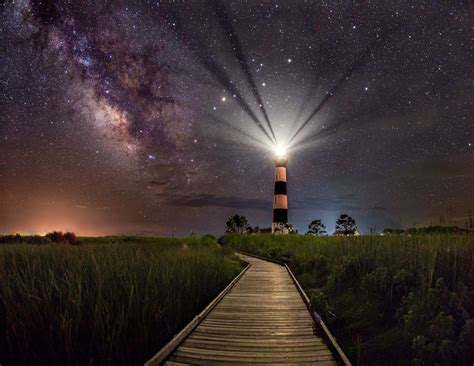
x=261 y=320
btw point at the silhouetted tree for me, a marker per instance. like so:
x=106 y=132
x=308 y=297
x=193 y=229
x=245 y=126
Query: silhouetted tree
x=237 y=224
x=71 y=238
x=60 y=237
x=437 y=230
x=55 y=236
x=316 y=227
x=346 y=225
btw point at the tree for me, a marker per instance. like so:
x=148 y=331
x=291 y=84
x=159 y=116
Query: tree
x=237 y=224
x=316 y=227
x=345 y=225
x=55 y=236
x=60 y=237
x=71 y=238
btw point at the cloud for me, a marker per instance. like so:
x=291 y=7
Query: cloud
x=378 y=208
x=441 y=168
x=342 y=202
x=210 y=200
x=157 y=183
x=99 y=208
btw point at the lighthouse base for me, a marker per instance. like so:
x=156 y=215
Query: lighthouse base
x=280 y=228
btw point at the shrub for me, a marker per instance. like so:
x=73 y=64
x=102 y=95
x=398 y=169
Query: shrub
x=319 y=301
x=377 y=283
x=398 y=299
x=56 y=236
x=71 y=238
x=24 y=239
x=208 y=239
x=60 y=237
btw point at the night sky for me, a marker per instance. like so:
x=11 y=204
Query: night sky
x=160 y=117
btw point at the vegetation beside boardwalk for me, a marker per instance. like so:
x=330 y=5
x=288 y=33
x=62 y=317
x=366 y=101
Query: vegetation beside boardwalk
x=389 y=300
x=114 y=300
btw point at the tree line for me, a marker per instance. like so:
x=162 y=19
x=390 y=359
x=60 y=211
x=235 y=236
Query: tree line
x=345 y=225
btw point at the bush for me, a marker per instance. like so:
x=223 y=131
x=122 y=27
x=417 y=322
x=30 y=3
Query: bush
x=56 y=236
x=60 y=237
x=208 y=239
x=319 y=301
x=24 y=239
x=398 y=299
x=71 y=238
x=377 y=284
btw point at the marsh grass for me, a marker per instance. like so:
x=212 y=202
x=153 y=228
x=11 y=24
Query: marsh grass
x=107 y=301
x=397 y=300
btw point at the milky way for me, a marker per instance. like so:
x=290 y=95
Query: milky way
x=161 y=117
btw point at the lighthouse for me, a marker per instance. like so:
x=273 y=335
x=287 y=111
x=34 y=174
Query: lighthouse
x=280 y=198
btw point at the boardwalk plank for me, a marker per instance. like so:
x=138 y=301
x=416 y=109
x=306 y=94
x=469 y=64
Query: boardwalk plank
x=180 y=360
x=262 y=320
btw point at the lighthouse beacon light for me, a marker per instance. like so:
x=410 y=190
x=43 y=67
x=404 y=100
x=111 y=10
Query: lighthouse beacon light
x=280 y=150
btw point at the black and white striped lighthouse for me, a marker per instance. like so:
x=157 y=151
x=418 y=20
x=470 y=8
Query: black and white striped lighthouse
x=280 y=198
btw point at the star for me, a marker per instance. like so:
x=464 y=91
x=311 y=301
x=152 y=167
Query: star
x=145 y=97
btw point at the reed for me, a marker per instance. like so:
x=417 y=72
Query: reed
x=107 y=301
x=391 y=300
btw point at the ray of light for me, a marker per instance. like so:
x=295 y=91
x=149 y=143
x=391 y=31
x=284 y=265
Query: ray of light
x=217 y=71
x=358 y=63
x=226 y=24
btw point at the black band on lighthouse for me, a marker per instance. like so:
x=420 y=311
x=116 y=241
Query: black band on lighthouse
x=280 y=215
x=280 y=187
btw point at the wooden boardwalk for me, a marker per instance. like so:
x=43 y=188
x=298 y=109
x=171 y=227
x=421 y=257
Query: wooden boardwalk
x=261 y=320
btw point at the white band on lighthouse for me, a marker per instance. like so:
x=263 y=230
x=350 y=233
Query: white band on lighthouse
x=280 y=174
x=280 y=201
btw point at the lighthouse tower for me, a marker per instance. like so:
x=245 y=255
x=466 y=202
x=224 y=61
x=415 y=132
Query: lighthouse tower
x=280 y=199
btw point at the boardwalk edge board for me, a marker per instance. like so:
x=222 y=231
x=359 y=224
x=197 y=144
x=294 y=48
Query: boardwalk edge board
x=332 y=343
x=342 y=358
x=181 y=336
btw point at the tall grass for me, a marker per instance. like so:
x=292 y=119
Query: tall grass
x=392 y=300
x=109 y=301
